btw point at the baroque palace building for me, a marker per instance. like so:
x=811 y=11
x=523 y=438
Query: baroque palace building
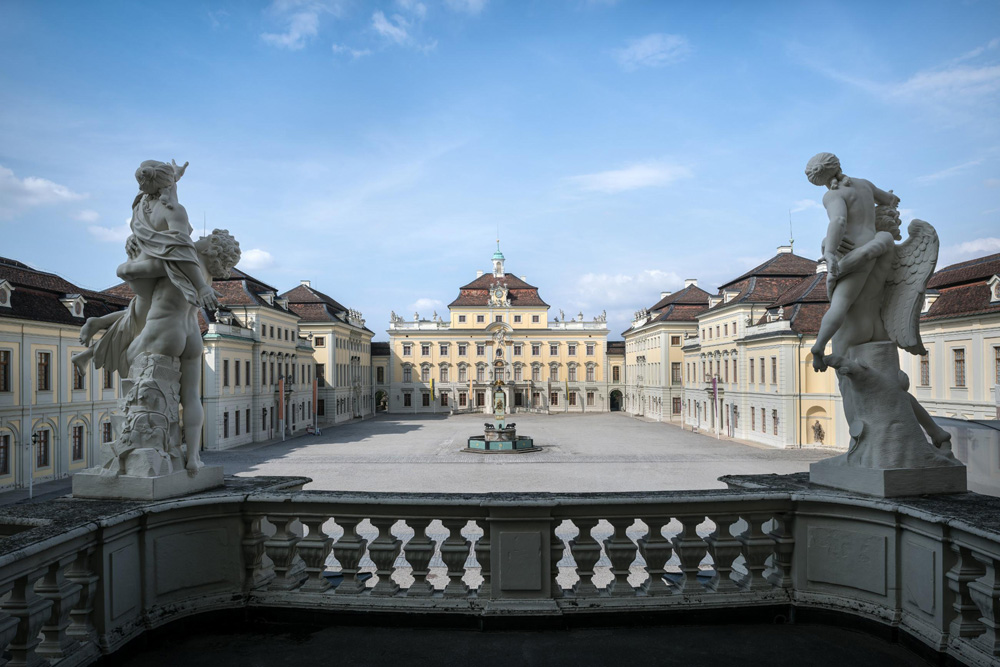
x=53 y=417
x=447 y=365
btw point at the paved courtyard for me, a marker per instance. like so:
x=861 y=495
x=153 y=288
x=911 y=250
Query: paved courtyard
x=603 y=452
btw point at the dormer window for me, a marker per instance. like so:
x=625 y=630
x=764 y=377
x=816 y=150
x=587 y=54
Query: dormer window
x=74 y=304
x=994 y=284
x=929 y=298
x=5 y=289
x=268 y=297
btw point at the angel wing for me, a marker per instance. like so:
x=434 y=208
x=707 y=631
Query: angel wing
x=903 y=297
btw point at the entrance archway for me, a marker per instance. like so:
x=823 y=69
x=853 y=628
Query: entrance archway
x=616 y=400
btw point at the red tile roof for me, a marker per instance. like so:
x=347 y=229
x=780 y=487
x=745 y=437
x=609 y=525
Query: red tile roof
x=973 y=270
x=477 y=293
x=37 y=296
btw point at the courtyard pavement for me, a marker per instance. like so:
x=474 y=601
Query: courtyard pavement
x=601 y=452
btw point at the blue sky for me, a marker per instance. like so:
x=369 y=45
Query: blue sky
x=375 y=147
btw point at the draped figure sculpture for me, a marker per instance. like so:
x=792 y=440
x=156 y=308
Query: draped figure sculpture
x=876 y=291
x=155 y=344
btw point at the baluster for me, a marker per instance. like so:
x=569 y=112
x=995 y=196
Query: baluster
x=558 y=548
x=757 y=547
x=64 y=594
x=724 y=549
x=82 y=572
x=31 y=612
x=783 y=536
x=691 y=550
x=482 y=551
x=314 y=549
x=965 y=571
x=621 y=552
x=348 y=550
x=281 y=549
x=985 y=592
x=419 y=552
x=384 y=550
x=8 y=624
x=586 y=552
x=656 y=550
x=455 y=553
x=257 y=573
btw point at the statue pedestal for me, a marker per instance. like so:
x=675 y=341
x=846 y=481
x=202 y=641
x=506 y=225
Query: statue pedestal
x=838 y=473
x=91 y=483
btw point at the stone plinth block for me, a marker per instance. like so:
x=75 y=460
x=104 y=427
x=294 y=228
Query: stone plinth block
x=91 y=483
x=836 y=472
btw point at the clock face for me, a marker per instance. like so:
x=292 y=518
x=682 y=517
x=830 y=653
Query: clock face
x=498 y=292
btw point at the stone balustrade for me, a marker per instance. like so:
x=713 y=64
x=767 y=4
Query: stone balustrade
x=81 y=578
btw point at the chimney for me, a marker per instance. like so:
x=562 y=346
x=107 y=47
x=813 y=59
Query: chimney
x=664 y=295
x=479 y=274
x=691 y=282
x=821 y=266
x=305 y=283
x=784 y=249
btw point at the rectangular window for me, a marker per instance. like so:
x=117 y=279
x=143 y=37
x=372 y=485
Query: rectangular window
x=319 y=341
x=225 y=373
x=480 y=399
x=536 y=373
x=498 y=318
x=725 y=329
x=725 y=370
x=590 y=349
x=554 y=373
x=237 y=417
x=380 y=375
x=590 y=399
x=480 y=374
x=762 y=376
x=616 y=374
x=42 y=449
x=553 y=398
x=407 y=400
x=246 y=378
x=518 y=349
x=77 y=443
x=4 y=454
x=675 y=372
x=106 y=433
x=572 y=373
x=425 y=374
x=321 y=407
x=753 y=419
x=480 y=349
x=4 y=370
x=517 y=319
x=751 y=371
x=463 y=349
x=735 y=380
x=407 y=374
x=571 y=349
x=925 y=371
x=444 y=374
x=407 y=349
x=425 y=400
x=463 y=374
x=572 y=398
x=676 y=406
x=44 y=379
x=763 y=421
x=225 y=424
x=443 y=349
x=716 y=330
x=774 y=421
x=272 y=331
x=774 y=370
x=237 y=378
x=248 y=420
x=463 y=399
x=534 y=319
x=461 y=319
x=996 y=365
x=536 y=349
x=518 y=372
x=675 y=340
x=425 y=349
x=590 y=373
x=480 y=318
x=959 y=355
x=444 y=400
x=554 y=350
x=79 y=379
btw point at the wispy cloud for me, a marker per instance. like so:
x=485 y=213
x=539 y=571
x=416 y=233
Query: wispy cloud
x=110 y=234
x=392 y=29
x=946 y=173
x=633 y=177
x=87 y=215
x=466 y=6
x=969 y=250
x=611 y=290
x=217 y=18
x=426 y=306
x=300 y=19
x=255 y=259
x=18 y=194
x=655 y=50
x=804 y=205
x=350 y=51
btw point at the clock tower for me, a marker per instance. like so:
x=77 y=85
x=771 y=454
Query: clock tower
x=498 y=262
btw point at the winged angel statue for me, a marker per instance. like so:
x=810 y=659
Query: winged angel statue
x=876 y=290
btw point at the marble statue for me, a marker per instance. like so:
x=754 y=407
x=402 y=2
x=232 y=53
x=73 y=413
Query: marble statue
x=155 y=344
x=876 y=291
x=818 y=433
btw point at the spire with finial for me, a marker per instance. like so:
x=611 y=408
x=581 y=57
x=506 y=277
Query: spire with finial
x=498 y=259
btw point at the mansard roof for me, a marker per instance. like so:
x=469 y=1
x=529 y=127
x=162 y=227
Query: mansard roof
x=37 y=296
x=782 y=265
x=692 y=295
x=477 y=293
x=963 y=289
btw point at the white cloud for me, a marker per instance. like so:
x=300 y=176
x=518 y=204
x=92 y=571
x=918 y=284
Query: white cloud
x=18 y=194
x=301 y=21
x=255 y=258
x=466 y=6
x=352 y=52
x=961 y=252
x=426 y=307
x=87 y=215
x=805 y=205
x=110 y=234
x=945 y=173
x=418 y=9
x=638 y=290
x=655 y=50
x=641 y=175
x=394 y=30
